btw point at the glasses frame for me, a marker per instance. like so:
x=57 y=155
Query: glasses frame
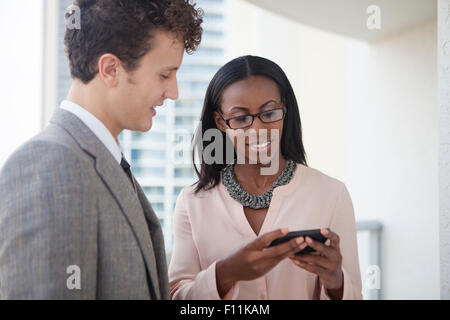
x=227 y=121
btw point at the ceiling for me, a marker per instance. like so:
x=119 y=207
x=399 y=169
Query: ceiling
x=349 y=17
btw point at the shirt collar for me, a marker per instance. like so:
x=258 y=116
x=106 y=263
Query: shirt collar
x=96 y=126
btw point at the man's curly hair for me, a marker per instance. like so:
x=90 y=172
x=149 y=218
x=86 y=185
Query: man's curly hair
x=126 y=28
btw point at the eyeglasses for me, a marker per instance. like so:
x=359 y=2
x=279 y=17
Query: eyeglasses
x=268 y=116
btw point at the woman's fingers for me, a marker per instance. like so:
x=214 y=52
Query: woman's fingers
x=333 y=237
x=321 y=261
x=263 y=241
x=320 y=271
x=285 y=249
x=319 y=247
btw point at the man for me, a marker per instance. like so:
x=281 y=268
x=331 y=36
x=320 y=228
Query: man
x=74 y=223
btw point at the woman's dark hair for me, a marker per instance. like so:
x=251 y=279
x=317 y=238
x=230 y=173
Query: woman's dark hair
x=126 y=28
x=235 y=70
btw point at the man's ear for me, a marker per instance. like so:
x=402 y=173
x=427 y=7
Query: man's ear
x=220 y=123
x=108 y=69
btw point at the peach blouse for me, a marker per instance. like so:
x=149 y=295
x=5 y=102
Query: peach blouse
x=211 y=225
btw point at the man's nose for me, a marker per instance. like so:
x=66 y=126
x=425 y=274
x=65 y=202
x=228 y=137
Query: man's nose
x=172 y=91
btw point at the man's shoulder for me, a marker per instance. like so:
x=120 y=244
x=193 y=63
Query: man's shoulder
x=56 y=137
x=53 y=147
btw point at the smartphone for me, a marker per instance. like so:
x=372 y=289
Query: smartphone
x=313 y=234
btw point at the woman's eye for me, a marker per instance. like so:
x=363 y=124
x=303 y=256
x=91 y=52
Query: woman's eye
x=164 y=77
x=268 y=115
x=241 y=119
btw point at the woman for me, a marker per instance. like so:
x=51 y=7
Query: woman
x=224 y=223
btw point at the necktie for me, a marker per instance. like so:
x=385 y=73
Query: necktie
x=126 y=167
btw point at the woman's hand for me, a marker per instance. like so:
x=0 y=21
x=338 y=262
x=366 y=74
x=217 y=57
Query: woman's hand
x=254 y=259
x=326 y=262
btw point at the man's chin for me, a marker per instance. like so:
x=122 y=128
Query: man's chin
x=142 y=127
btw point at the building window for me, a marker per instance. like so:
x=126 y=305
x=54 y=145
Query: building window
x=154 y=191
x=184 y=173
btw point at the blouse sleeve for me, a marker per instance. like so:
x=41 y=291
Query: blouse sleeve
x=186 y=279
x=344 y=225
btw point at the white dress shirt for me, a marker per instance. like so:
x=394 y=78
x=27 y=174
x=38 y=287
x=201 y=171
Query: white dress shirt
x=96 y=126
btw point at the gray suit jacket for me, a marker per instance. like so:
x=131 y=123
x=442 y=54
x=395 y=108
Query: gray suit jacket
x=71 y=224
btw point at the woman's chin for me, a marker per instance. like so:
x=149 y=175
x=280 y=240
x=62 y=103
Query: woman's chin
x=264 y=160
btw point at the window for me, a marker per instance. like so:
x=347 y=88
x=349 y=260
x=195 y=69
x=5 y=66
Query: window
x=185 y=120
x=210 y=51
x=189 y=103
x=156 y=191
x=144 y=171
x=152 y=135
x=191 y=68
x=140 y=155
x=176 y=191
x=184 y=173
x=158 y=207
x=213 y=35
x=213 y=17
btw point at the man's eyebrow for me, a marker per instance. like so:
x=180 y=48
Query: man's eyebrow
x=170 y=69
x=262 y=106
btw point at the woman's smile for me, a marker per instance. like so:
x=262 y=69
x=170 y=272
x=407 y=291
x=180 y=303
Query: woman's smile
x=265 y=146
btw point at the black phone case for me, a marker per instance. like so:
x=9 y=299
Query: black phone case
x=313 y=234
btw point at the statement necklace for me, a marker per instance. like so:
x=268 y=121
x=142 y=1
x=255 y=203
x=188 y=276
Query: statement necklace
x=255 y=201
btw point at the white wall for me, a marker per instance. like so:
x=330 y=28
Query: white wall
x=21 y=32
x=393 y=157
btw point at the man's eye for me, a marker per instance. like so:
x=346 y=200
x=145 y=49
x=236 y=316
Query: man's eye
x=165 y=77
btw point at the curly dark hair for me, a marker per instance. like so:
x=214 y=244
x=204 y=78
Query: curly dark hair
x=125 y=28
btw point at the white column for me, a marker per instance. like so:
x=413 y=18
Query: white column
x=50 y=61
x=21 y=34
x=444 y=142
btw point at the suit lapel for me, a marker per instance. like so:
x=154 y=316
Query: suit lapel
x=116 y=179
x=118 y=183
